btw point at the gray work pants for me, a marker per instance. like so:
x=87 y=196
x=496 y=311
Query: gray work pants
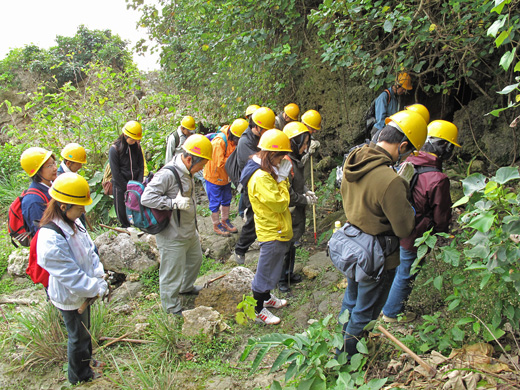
x=180 y=266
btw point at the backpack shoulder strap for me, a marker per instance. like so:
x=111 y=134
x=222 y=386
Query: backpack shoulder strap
x=224 y=137
x=419 y=170
x=51 y=225
x=36 y=191
x=177 y=177
x=389 y=96
x=176 y=136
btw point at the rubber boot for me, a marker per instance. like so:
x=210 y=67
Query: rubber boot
x=225 y=220
x=217 y=226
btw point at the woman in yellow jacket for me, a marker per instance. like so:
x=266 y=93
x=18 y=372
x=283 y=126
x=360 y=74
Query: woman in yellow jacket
x=265 y=176
x=218 y=186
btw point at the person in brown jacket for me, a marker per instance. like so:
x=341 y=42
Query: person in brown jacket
x=375 y=201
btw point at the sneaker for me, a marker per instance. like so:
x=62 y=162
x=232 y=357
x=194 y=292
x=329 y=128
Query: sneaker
x=221 y=230
x=403 y=319
x=275 y=303
x=229 y=226
x=267 y=318
x=240 y=259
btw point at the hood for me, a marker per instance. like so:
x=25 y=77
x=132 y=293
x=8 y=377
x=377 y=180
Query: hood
x=250 y=168
x=364 y=159
x=424 y=159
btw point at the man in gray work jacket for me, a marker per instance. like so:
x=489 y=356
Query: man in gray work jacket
x=178 y=243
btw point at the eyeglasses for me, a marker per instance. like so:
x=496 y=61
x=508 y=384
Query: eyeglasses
x=51 y=165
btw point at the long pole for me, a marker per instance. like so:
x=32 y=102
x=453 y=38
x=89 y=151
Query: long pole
x=313 y=206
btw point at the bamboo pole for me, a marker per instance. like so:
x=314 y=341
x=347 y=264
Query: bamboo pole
x=313 y=206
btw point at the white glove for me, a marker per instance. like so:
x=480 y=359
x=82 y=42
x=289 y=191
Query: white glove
x=311 y=197
x=406 y=171
x=313 y=146
x=283 y=170
x=181 y=202
x=103 y=288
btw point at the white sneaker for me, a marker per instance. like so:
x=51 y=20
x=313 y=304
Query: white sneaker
x=267 y=318
x=275 y=302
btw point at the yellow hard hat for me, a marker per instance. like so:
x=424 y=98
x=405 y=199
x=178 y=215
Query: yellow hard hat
x=312 y=118
x=188 y=122
x=295 y=128
x=421 y=110
x=251 y=109
x=292 y=110
x=275 y=140
x=238 y=127
x=198 y=145
x=264 y=117
x=404 y=80
x=71 y=188
x=412 y=125
x=133 y=130
x=74 y=152
x=33 y=158
x=445 y=130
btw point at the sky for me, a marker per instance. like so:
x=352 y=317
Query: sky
x=39 y=21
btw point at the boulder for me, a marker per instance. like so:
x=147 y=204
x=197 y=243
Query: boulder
x=213 y=245
x=225 y=294
x=202 y=319
x=126 y=292
x=18 y=261
x=120 y=253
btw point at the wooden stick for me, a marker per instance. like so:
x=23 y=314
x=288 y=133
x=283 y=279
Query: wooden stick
x=432 y=371
x=313 y=206
x=88 y=223
x=87 y=303
x=135 y=341
x=115 y=340
x=6 y=301
x=214 y=279
x=116 y=229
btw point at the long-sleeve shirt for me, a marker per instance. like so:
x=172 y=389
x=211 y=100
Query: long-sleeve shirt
x=385 y=108
x=126 y=165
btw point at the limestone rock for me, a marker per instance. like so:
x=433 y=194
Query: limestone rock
x=225 y=294
x=213 y=245
x=17 y=263
x=121 y=253
x=126 y=292
x=310 y=272
x=202 y=319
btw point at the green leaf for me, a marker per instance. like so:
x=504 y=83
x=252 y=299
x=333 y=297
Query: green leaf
x=494 y=334
x=502 y=37
x=464 y=321
x=453 y=304
x=282 y=359
x=507 y=59
x=474 y=182
x=376 y=384
x=437 y=282
x=258 y=358
x=476 y=327
x=356 y=361
x=276 y=385
x=509 y=89
x=361 y=346
x=497 y=25
x=344 y=317
x=450 y=255
x=517 y=67
x=485 y=280
x=461 y=201
x=505 y=174
x=458 y=334
x=388 y=26
x=483 y=222
x=112 y=212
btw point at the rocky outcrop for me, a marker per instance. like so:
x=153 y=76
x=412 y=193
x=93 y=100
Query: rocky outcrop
x=203 y=320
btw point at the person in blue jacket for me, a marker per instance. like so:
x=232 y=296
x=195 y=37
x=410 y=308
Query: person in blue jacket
x=40 y=165
x=75 y=272
x=387 y=103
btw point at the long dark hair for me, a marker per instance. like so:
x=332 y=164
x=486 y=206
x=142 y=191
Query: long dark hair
x=121 y=145
x=52 y=212
x=267 y=157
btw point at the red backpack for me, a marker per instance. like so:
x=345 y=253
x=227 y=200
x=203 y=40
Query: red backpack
x=18 y=229
x=37 y=273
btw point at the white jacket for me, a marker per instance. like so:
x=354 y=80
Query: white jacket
x=75 y=272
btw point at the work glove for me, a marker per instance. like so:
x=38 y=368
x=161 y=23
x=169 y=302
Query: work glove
x=313 y=146
x=103 y=288
x=284 y=169
x=181 y=202
x=406 y=171
x=311 y=197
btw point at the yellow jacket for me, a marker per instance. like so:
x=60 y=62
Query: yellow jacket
x=270 y=201
x=215 y=171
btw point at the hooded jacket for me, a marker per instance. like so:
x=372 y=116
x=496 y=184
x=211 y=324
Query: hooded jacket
x=247 y=146
x=270 y=202
x=126 y=165
x=33 y=206
x=432 y=200
x=375 y=197
x=215 y=171
x=75 y=272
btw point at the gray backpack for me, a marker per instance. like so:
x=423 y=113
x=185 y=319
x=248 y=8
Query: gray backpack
x=359 y=255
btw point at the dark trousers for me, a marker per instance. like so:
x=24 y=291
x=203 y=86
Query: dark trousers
x=119 y=204
x=288 y=263
x=248 y=232
x=79 y=346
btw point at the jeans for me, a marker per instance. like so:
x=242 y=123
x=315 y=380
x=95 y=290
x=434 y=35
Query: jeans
x=402 y=285
x=364 y=301
x=79 y=345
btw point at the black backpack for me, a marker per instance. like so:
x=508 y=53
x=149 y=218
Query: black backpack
x=419 y=170
x=232 y=168
x=369 y=119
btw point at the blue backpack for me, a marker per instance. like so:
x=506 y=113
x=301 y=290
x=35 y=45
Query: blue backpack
x=151 y=221
x=210 y=136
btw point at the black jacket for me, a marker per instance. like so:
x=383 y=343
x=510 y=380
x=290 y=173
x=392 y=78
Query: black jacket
x=247 y=146
x=126 y=165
